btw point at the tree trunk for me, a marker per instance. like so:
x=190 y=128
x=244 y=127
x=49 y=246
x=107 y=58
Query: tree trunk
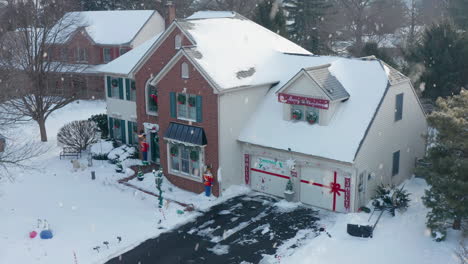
x=42 y=129
x=456 y=223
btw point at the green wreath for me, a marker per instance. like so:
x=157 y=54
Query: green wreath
x=191 y=101
x=296 y=114
x=174 y=151
x=181 y=98
x=115 y=83
x=194 y=155
x=312 y=117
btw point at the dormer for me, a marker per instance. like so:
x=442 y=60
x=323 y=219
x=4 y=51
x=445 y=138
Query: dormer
x=313 y=95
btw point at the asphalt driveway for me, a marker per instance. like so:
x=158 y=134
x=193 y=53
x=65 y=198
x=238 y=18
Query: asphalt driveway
x=240 y=230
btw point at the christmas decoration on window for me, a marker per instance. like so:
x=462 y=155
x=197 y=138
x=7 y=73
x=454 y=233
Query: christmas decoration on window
x=174 y=151
x=297 y=114
x=191 y=101
x=181 y=98
x=115 y=83
x=117 y=124
x=194 y=155
x=154 y=96
x=312 y=117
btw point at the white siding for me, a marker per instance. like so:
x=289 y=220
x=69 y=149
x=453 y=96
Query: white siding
x=153 y=26
x=386 y=136
x=304 y=86
x=235 y=109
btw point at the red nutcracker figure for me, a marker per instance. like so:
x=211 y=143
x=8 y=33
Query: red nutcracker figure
x=144 y=146
x=208 y=181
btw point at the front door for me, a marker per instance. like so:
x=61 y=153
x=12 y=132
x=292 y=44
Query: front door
x=154 y=148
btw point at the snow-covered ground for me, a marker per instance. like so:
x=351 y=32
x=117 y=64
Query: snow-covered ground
x=401 y=239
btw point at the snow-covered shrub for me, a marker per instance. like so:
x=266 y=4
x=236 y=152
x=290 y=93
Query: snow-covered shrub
x=78 y=134
x=101 y=149
x=101 y=123
x=390 y=198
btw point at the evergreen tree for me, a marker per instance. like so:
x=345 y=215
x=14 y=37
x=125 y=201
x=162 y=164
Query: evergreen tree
x=446 y=166
x=444 y=54
x=270 y=14
x=306 y=21
x=459 y=11
x=372 y=48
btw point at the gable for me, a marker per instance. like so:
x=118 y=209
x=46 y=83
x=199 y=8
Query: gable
x=303 y=85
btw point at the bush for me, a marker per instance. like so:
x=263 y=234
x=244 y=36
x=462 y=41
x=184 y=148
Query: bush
x=389 y=198
x=78 y=134
x=101 y=122
x=100 y=156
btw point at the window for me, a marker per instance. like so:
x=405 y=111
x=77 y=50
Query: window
x=117 y=131
x=305 y=113
x=178 y=41
x=122 y=51
x=106 y=54
x=64 y=54
x=133 y=91
x=399 y=107
x=82 y=54
x=185 y=160
x=114 y=88
x=187 y=106
x=185 y=70
x=132 y=133
x=396 y=163
x=152 y=99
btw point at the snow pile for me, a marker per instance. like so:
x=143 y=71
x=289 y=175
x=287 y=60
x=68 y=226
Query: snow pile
x=122 y=153
x=405 y=235
x=285 y=206
x=101 y=148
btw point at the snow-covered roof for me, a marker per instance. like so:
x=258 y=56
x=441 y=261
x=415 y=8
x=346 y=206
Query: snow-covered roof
x=235 y=51
x=124 y=64
x=211 y=14
x=327 y=82
x=106 y=27
x=366 y=82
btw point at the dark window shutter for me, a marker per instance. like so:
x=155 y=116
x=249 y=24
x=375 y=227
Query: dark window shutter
x=130 y=132
x=172 y=96
x=396 y=163
x=199 y=109
x=121 y=92
x=109 y=87
x=122 y=129
x=127 y=88
x=399 y=107
x=111 y=127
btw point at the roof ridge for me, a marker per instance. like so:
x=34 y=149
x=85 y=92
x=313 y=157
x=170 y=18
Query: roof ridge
x=327 y=65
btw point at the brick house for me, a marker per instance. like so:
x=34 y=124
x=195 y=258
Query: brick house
x=216 y=89
x=97 y=38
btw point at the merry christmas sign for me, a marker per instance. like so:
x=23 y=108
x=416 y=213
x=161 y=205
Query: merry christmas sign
x=300 y=100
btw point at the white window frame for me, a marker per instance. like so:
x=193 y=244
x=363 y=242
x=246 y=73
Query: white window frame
x=187 y=108
x=184 y=70
x=178 y=41
x=104 y=54
x=81 y=54
x=148 y=112
x=179 y=173
x=133 y=96
x=119 y=130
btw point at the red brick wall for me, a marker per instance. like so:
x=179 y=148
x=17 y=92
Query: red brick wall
x=196 y=84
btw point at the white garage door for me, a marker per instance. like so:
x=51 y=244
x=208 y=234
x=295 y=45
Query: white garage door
x=326 y=189
x=269 y=175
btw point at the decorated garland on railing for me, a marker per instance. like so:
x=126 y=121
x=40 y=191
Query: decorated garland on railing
x=312 y=117
x=181 y=98
x=194 y=156
x=174 y=150
x=297 y=114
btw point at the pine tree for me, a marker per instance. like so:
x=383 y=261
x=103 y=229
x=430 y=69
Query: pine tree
x=459 y=11
x=444 y=55
x=446 y=166
x=372 y=48
x=306 y=20
x=270 y=14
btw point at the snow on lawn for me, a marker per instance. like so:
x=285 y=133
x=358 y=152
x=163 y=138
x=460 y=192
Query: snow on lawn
x=82 y=213
x=400 y=239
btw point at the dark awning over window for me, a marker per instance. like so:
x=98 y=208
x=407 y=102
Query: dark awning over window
x=186 y=133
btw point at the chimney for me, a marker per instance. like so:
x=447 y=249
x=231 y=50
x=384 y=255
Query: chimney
x=171 y=13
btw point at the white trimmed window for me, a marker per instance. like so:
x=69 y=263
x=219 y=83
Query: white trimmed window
x=106 y=54
x=122 y=51
x=115 y=88
x=187 y=106
x=81 y=54
x=178 y=41
x=185 y=160
x=305 y=113
x=185 y=70
x=151 y=99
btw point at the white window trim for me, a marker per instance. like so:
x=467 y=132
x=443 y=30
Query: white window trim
x=186 y=102
x=178 y=41
x=148 y=112
x=120 y=51
x=177 y=172
x=104 y=55
x=185 y=70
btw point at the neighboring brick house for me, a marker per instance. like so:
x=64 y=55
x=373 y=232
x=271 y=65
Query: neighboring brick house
x=218 y=90
x=97 y=38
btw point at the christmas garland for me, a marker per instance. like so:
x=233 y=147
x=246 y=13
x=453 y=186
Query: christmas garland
x=297 y=114
x=191 y=101
x=181 y=98
x=194 y=155
x=114 y=83
x=312 y=117
x=174 y=151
